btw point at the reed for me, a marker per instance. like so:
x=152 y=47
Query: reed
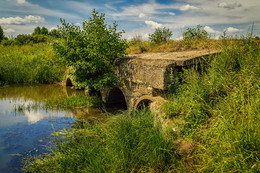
x=29 y=64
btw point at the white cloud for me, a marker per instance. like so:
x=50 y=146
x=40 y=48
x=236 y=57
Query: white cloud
x=229 y=6
x=21 y=1
x=179 y=38
x=188 y=7
x=171 y=13
x=33 y=116
x=52 y=28
x=232 y=30
x=153 y=24
x=217 y=37
x=9 y=30
x=19 y=21
x=142 y=16
x=210 y=30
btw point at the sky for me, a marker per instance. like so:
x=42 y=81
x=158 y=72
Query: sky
x=136 y=17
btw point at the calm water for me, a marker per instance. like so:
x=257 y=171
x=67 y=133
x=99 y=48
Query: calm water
x=28 y=132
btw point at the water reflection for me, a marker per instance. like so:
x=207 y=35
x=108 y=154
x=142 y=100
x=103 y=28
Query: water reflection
x=28 y=131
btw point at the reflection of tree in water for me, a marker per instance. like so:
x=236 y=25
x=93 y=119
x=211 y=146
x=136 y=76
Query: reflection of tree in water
x=89 y=114
x=40 y=93
x=35 y=93
x=71 y=91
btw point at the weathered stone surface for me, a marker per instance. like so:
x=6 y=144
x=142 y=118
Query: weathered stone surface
x=148 y=74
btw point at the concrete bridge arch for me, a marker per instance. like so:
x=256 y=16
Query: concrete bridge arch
x=145 y=78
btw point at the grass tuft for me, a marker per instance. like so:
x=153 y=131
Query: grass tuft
x=125 y=143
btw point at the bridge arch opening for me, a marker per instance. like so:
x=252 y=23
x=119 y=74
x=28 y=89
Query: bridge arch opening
x=69 y=82
x=143 y=102
x=116 y=100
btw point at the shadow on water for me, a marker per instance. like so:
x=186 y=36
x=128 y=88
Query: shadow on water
x=28 y=131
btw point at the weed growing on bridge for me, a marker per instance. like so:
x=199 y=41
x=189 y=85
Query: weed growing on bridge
x=28 y=64
x=219 y=110
x=124 y=143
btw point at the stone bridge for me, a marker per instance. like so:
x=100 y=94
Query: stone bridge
x=145 y=77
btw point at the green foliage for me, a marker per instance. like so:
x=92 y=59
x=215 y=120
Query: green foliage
x=124 y=143
x=195 y=33
x=28 y=64
x=54 y=33
x=195 y=36
x=1 y=34
x=160 y=35
x=219 y=109
x=75 y=101
x=174 y=82
x=44 y=31
x=91 y=51
x=38 y=30
x=7 y=42
x=24 y=39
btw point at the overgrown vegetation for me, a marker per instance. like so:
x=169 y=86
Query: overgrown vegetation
x=214 y=109
x=91 y=51
x=71 y=102
x=25 y=39
x=29 y=64
x=125 y=143
x=75 y=101
x=218 y=110
x=1 y=34
x=160 y=35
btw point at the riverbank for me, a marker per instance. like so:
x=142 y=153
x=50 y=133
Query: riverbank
x=213 y=115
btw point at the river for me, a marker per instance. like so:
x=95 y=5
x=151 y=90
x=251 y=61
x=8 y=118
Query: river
x=28 y=131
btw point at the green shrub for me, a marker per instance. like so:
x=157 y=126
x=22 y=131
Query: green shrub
x=91 y=51
x=193 y=36
x=160 y=35
x=8 y=42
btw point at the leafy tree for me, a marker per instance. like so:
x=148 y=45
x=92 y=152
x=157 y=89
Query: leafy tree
x=54 y=33
x=37 y=30
x=1 y=34
x=195 y=34
x=91 y=51
x=44 y=31
x=160 y=35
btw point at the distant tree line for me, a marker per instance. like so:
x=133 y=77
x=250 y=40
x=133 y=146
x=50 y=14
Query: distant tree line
x=40 y=34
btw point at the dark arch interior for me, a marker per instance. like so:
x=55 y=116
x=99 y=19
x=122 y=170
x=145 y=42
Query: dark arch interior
x=69 y=82
x=143 y=104
x=116 y=100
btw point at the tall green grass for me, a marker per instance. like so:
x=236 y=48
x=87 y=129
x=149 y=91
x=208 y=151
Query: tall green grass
x=28 y=64
x=74 y=101
x=217 y=108
x=125 y=143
